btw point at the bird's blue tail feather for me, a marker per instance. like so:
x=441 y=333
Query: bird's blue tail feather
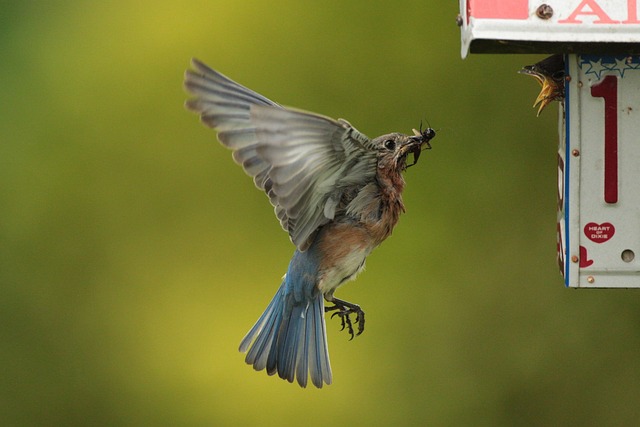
x=290 y=339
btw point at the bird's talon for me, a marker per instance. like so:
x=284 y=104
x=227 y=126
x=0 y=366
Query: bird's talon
x=344 y=310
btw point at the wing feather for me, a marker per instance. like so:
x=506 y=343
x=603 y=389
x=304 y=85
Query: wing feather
x=303 y=161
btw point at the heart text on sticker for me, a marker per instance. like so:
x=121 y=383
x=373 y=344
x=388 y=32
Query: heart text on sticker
x=599 y=233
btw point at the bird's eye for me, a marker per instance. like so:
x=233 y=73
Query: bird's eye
x=390 y=144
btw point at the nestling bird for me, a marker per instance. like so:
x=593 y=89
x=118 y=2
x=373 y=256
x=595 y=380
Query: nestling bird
x=550 y=74
x=335 y=191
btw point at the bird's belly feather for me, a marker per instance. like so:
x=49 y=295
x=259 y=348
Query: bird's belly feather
x=345 y=249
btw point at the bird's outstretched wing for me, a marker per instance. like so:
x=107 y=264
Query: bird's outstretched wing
x=303 y=161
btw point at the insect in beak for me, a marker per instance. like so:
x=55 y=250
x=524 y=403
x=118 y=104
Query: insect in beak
x=418 y=141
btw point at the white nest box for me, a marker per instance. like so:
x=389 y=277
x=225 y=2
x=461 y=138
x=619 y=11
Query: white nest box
x=599 y=122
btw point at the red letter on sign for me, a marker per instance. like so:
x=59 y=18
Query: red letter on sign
x=498 y=9
x=632 y=12
x=593 y=9
x=608 y=89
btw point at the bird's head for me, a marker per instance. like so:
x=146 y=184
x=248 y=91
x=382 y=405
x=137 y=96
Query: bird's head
x=394 y=148
x=550 y=74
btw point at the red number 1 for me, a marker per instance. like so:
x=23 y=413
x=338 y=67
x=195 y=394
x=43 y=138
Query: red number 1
x=608 y=89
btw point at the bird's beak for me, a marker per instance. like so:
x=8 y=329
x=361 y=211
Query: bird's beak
x=528 y=71
x=545 y=96
x=411 y=146
x=551 y=89
x=546 y=93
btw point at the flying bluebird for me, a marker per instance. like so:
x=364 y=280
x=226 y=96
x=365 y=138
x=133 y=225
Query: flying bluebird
x=335 y=191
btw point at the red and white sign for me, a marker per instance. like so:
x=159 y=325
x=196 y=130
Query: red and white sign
x=599 y=172
x=507 y=22
x=598 y=230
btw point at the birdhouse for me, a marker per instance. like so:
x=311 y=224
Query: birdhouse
x=596 y=78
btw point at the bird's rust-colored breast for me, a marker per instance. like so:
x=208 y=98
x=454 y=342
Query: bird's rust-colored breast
x=391 y=185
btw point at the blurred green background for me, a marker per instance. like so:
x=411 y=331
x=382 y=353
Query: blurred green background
x=134 y=254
